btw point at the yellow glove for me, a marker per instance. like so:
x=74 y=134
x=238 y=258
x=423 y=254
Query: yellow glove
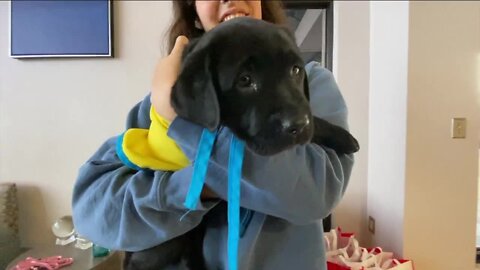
x=152 y=148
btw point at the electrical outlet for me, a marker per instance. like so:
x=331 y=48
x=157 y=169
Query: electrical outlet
x=459 y=128
x=371 y=224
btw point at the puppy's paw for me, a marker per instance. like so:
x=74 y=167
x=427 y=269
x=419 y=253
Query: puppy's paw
x=334 y=137
x=343 y=142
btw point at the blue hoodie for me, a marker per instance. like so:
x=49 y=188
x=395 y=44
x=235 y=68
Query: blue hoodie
x=283 y=197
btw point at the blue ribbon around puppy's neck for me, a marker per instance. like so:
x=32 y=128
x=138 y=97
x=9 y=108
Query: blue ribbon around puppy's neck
x=200 y=168
x=234 y=176
x=235 y=163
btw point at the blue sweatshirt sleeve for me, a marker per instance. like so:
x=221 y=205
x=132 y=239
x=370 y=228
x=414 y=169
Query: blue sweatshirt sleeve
x=124 y=209
x=302 y=184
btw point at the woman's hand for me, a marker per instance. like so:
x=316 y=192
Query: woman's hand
x=164 y=77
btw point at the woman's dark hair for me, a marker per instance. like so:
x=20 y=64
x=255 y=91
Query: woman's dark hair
x=184 y=16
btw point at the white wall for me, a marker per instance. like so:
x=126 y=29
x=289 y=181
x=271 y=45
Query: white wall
x=55 y=113
x=422 y=186
x=387 y=121
x=424 y=66
x=441 y=172
x=351 y=68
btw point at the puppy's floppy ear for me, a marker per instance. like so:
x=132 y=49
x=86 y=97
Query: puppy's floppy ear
x=306 y=89
x=193 y=95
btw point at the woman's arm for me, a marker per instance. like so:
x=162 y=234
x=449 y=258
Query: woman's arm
x=124 y=209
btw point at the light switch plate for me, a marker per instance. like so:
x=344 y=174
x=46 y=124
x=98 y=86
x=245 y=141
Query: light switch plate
x=459 y=128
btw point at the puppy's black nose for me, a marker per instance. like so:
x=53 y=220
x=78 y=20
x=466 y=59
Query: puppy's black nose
x=295 y=126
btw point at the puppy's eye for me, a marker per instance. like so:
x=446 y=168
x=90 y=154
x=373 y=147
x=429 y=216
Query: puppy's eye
x=245 y=81
x=295 y=71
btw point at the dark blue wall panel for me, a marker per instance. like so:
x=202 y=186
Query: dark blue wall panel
x=60 y=28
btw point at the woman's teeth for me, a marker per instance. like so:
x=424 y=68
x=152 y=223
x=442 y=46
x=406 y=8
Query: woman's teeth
x=229 y=17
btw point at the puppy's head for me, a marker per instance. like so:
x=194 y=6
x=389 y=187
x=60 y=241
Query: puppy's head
x=247 y=74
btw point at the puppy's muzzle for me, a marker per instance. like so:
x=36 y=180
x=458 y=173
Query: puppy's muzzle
x=291 y=127
x=295 y=125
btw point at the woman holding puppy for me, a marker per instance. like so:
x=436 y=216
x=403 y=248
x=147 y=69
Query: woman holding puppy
x=129 y=195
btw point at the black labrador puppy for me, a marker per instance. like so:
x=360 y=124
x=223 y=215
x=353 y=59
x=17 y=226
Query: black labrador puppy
x=245 y=74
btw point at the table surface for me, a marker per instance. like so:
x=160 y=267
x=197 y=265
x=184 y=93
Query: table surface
x=82 y=259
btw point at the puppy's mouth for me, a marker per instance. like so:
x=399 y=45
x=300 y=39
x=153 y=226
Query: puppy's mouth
x=228 y=17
